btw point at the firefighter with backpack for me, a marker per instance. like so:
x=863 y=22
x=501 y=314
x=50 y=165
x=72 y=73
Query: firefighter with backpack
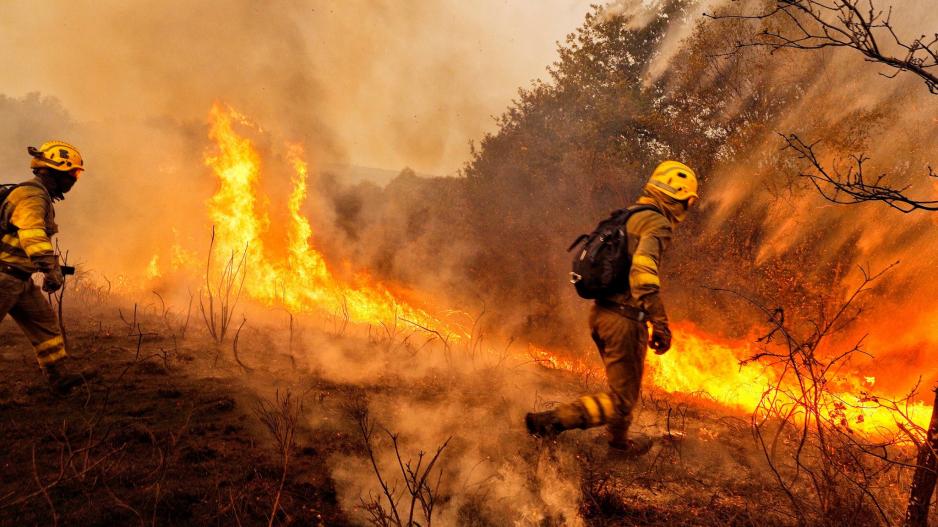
x=618 y=268
x=27 y=224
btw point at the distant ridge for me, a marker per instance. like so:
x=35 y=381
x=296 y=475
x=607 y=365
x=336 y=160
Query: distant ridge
x=354 y=174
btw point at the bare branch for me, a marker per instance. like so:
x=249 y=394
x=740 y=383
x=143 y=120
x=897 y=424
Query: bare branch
x=817 y=24
x=854 y=186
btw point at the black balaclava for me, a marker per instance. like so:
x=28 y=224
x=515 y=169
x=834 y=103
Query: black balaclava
x=57 y=183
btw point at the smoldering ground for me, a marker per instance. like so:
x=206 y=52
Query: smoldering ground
x=469 y=397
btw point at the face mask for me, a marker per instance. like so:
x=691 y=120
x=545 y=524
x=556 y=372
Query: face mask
x=674 y=210
x=65 y=183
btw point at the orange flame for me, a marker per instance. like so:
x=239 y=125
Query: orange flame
x=301 y=280
x=701 y=365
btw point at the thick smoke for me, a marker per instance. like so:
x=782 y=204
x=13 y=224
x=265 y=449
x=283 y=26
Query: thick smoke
x=368 y=82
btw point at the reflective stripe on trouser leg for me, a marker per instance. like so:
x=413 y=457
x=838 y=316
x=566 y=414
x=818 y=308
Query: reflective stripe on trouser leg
x=599 y=409
x=50 y=351
x=34 y=315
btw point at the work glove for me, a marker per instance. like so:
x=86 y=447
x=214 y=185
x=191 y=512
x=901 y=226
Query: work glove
x=53 y=280
x=660 y=332
x=660 y=338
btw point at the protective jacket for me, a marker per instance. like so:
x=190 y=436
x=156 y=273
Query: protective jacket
x=27 y=224
x=649 y=234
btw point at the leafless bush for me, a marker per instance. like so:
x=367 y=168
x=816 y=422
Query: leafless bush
x=400 y=508
x=218 y=304
x=280 y=417
x=169 y=320
x=393 y=336
x=133 y=326
x=830 y=473
x=84 y=456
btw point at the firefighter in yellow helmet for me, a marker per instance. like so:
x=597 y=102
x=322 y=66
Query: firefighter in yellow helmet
x=27 y=224
x=618 y=322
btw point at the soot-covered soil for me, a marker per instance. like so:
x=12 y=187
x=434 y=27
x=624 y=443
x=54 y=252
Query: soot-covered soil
x=147 y=442
x=169 y=433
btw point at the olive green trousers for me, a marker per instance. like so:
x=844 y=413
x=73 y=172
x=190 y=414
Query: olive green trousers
x=23 y=300
x=622 y=344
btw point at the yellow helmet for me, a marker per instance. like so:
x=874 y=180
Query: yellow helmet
x=674 y=179
x=57 y=155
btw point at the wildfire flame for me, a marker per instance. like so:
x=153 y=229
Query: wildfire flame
x=699 y=364
x=301 y=280
x=153 y=268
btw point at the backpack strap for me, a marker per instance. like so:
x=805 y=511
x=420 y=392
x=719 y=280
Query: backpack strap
x=629 y=211
x=639 y=208
x=580 y=239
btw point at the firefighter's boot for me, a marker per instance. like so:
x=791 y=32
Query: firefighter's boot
x=543 y=424
x=630 y=447
x=61 y=381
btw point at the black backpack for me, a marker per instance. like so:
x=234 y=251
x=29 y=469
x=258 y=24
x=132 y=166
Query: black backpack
x=602 y=267
x=5 y=189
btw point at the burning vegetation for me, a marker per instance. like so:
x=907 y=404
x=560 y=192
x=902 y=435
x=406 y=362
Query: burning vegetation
x=303 y=350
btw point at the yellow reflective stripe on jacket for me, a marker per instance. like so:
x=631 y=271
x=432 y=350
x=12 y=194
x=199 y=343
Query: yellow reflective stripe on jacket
x=644 y=280
x=649 y=234
x=28 y=214
x=12 y=254
x=35 y=241
x=26 y=235
x=38 y=247
x=644 y=261
x=18 y=261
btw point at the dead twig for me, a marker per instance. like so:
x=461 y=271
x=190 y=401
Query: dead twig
x=418 y=485
x=218 y=305
x=280 y=417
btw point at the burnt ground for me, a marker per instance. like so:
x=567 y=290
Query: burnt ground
x=170 y=433
x=147 y=442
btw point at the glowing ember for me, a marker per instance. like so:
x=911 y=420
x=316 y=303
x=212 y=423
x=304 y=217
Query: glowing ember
x=153 y=268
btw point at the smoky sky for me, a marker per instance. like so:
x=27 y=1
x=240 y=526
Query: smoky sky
x=371 y=82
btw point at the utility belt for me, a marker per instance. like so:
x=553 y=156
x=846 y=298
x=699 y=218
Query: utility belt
x=630 y=312
x=15 y=272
